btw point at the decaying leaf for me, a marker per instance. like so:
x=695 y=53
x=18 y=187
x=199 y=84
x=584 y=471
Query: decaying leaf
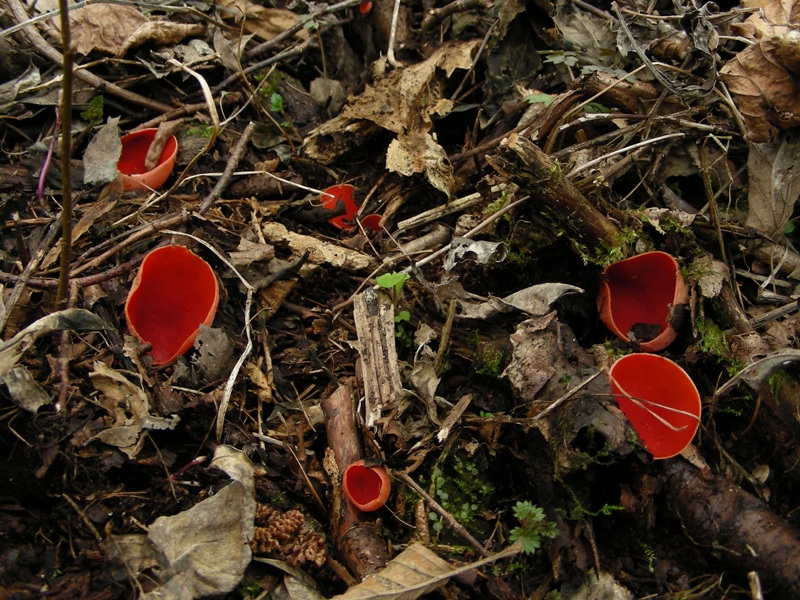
x=414 y=572
x=769 y=18
x=102 y=154
x=319 y=252
x=403 y=101
x=774 y=184
x=128 y=409
x=24 y=390
x=754 y=373
x=535 y=300
x=763 y=80
x=202 y=551
x=480 y=251
x=265 y=23
x=75 y=319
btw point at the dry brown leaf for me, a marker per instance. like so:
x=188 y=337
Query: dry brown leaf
x=763 y=81
x=774 y=184
x=266 y=23
x=770 y=18
x=104 y=27
x=403 y=102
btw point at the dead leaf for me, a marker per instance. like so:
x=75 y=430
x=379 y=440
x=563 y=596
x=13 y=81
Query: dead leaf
x=160 y=33
x=248 y=252
x=754 y=373
x=266 y=23
x=319 y=252
x=128 y=409
x=403 y=101
x=536 y=300
x=769 y=18
x=762 y=79
x=102 y=27
x=102 y=154
x=774 y=177
x=24 y=390
x=74 y=319
x=412 y=573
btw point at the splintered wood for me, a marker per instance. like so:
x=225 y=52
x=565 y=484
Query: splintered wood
x=373 y=312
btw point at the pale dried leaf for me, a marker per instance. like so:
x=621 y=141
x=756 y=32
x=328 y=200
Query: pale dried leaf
x=205 y=550
x=24 y=390
x=265 y=23
x=420 y=153
x=160 y=33
x=774 y=184
x=248 y=252
x=319 y=252
x=713 y=274
x=75 y=319
x=102 y=154
x=769 y=18
x=409 y=575
x=757 y=372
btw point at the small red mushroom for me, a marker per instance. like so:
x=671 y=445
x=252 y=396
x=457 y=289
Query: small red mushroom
x=135 y=147
x=344 y=194
x=637 y=297
x=659 y=399
x=175 y=291
x=367 y=487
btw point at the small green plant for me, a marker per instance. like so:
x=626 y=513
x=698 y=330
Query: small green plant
x=393 y=282
x=205 y=130
x=490 y=362
x=650 y=555
x=532 y=528
x=94 y=114
x=539 y=98
x=276 y=102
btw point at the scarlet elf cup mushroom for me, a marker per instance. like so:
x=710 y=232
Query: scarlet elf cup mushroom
x=638 y=297
x=131 y=163
x=366 y=487
x=659 y=399
x=175 y=291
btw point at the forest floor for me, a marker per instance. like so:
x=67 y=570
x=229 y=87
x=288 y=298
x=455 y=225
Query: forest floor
x=436 y=313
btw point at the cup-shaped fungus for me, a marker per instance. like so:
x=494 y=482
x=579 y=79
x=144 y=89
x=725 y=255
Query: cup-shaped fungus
x=639 y=296
x=367 y=487
x=340 y=198
x=659 y=399
x=135 y=146
x=175 y=291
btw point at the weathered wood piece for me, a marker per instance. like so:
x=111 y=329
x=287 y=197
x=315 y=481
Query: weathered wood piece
x=359 y=545
x=373 y=312
x=523 y=163
x=738 y=526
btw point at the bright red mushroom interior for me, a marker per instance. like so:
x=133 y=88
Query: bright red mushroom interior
x=363 y=484
x=642 y=291
x=177 y=292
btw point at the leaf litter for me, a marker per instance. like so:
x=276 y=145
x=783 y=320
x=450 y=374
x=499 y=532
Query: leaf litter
x=500 y=155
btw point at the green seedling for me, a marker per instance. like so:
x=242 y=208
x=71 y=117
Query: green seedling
x=393 y=282
x=94 y=114
x=533 y=527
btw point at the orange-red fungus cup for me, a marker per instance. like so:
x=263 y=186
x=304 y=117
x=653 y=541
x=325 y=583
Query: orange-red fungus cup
x=659 y=399
x=175 y=291
x=344 y=194
x=135 y=146
x=367 y=488
x=637 y=296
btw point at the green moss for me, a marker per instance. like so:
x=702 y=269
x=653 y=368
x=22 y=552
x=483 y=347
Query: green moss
x=489 y=362
x=461 y=484
x=712 y=339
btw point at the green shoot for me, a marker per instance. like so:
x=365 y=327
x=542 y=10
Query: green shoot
x=533 y=527
x=393 y=282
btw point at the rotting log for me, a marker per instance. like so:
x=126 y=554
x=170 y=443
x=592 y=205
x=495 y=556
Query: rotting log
x=737 y=527
x=358 y=543
x=522 y=162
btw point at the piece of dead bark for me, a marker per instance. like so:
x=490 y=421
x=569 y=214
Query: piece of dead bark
x=373 y=313
x=523 y=163
x=358 y=543
x=736 y=526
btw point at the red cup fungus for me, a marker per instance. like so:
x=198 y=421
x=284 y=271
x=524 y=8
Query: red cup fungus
x=638 y=297
x=367 y=487
x=344 y=194
x=131 y=164
x=175 y=291
x=659 y=399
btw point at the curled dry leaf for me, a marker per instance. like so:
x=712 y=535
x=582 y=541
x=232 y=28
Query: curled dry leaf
x=763 y=79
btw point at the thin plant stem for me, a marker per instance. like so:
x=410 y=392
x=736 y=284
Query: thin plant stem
x=66 y=151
